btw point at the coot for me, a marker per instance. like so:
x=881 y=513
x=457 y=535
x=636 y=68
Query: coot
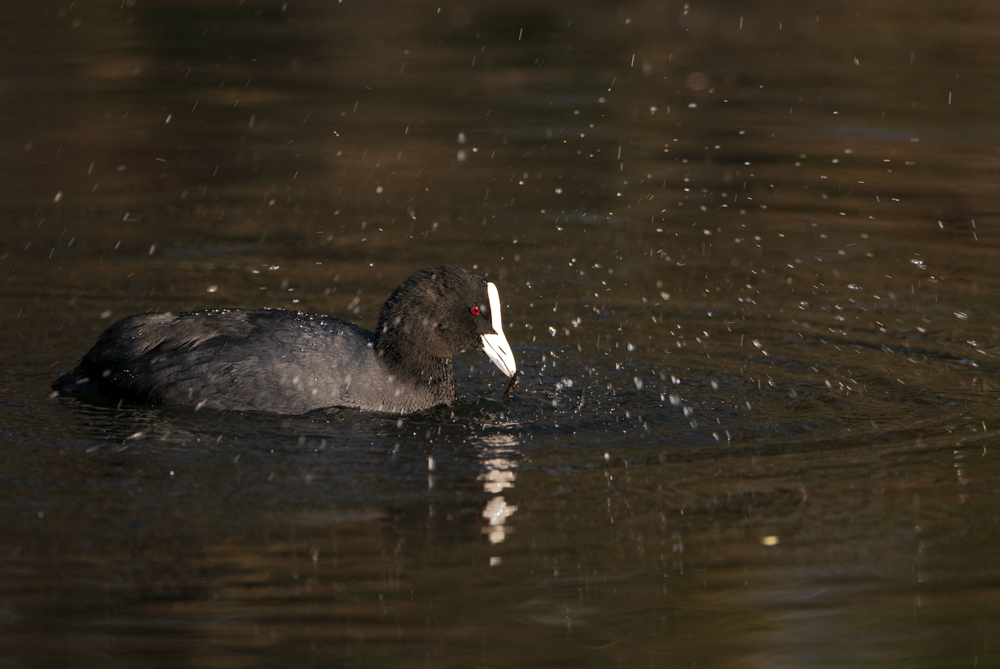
x=290 y=362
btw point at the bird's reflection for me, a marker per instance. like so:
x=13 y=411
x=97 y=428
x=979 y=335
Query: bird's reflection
x=498 y=456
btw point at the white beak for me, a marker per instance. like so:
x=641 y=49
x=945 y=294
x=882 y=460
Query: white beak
x=496 y=345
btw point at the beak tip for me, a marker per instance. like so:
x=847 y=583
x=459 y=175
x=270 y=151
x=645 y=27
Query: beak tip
x=498 y=351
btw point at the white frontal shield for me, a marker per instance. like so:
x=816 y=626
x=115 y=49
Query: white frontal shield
x=496 y=345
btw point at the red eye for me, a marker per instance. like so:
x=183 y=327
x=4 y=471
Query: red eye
x=474 y=311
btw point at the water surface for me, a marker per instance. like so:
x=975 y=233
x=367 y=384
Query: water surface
x=748 y=265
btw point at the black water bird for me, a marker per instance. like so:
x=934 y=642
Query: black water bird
x=288 y=362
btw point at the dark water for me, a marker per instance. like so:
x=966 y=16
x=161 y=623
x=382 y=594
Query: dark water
x=748 y=256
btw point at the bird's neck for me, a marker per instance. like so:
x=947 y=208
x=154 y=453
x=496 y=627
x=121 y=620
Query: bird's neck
x=411 y=362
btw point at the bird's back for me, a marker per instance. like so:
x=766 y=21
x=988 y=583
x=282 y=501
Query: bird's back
x=244 y=359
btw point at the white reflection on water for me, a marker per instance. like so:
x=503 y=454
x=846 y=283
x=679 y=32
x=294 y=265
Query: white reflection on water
x=496 y=513
x=500 y=474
